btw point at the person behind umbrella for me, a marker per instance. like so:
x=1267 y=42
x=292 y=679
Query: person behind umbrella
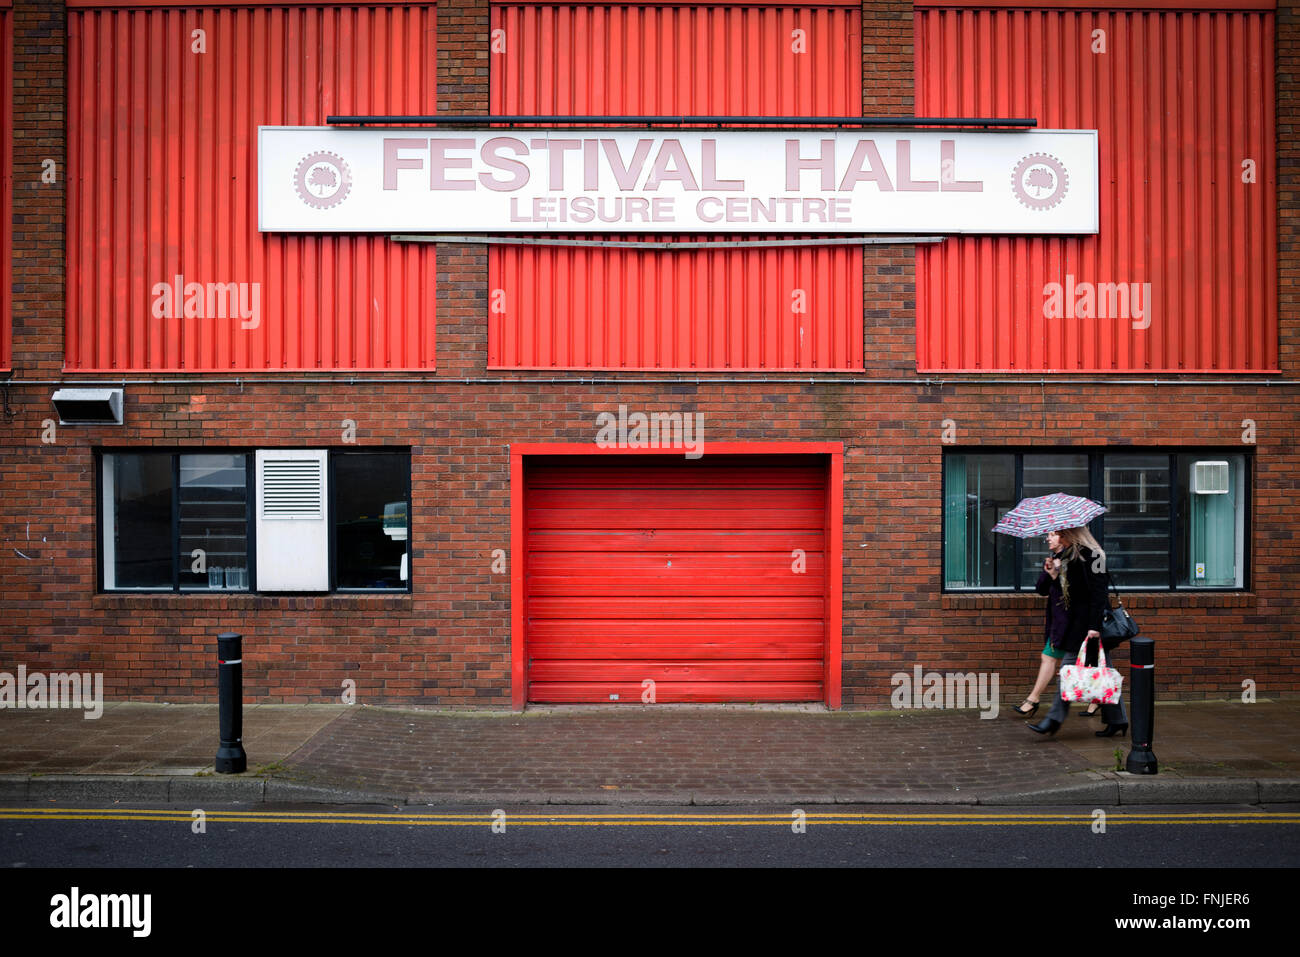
x=1054 y=619
x=1083 y=590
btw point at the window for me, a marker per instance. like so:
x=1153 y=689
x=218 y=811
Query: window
x=1043 y=475
x=980 y=490
x=1211 y=521
x=139 y=521
x=370 y=520
x=1136 y=490
x=212 y=518
x=1174 y=521
x=273 y=520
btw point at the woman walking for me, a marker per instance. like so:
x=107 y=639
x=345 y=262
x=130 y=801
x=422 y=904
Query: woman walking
x=1083 y=592
x=1054 y=620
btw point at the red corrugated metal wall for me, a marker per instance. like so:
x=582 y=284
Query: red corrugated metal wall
x=6 y=182
x=676 y=571
x=584 y=308
x=162 y=183
x=1180 y=99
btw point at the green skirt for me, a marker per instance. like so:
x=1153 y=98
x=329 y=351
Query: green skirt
x=1050 y=651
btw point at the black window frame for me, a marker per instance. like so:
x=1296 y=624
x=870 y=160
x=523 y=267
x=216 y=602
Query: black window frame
x=250 y=523
x=1096 y=483
x=333 y=523
x=250 y=478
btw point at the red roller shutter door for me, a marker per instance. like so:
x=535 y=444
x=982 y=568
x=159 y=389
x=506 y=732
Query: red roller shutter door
x=677 y=571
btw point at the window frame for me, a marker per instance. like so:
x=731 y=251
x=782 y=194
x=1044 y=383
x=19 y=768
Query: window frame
x=250 y=478
x=1096 y=481
x=331 y=506
x=175 y=453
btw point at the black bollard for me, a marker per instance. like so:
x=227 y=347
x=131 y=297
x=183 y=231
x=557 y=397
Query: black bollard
x=231 y=758
x=1142 y=699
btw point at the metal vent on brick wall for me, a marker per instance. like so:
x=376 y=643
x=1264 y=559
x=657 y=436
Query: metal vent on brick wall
x=292 y=488
x=292 y=531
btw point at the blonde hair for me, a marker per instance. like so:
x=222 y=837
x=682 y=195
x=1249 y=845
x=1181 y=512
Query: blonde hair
x=1079 y=535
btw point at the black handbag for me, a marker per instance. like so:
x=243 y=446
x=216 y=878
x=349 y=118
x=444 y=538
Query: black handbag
x=1117 y=625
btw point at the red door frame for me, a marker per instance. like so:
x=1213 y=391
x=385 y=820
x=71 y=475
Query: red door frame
x=834 y=543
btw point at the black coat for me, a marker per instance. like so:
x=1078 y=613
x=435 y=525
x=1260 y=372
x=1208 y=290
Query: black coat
x=1086 y=601
x=1054 y=617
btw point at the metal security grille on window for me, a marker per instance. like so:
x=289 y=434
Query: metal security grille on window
x=292 y=489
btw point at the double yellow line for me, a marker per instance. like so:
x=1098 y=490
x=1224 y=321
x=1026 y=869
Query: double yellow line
x=680 y=819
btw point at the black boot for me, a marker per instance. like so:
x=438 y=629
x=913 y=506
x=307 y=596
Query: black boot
x=1046 y=726
x=1110 y=729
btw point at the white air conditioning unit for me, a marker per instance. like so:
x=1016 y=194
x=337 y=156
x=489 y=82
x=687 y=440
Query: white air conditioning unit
x=1210 y=478
x=292 y=521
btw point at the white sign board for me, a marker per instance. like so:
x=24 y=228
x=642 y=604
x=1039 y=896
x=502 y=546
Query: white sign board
x=331 y=180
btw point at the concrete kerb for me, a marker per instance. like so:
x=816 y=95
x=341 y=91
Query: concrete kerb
x=285 y=792
x=620 y=798
x=14 y=788
x=771 y=798
x=1112 y=789
x=935 y=798
x=1144 y=789
x=1279 y=791
x=1090 y=793
x=193 y=790
x=161 y=789
x=97 y=787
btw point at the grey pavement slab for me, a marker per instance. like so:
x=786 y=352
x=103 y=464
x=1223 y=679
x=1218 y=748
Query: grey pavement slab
x=138 y=738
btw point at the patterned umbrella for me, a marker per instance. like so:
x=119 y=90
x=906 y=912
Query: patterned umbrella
x=1048 y=513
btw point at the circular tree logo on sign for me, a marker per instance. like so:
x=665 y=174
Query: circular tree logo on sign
x=1040 y=181
x=322 y=180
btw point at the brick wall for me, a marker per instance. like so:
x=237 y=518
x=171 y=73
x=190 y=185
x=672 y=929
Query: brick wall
x=888 y=272
x=462 y=268
x=40 y=69
x=448 y=643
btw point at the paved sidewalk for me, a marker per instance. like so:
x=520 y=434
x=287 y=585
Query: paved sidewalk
x=1214 y=752
x=149 y=739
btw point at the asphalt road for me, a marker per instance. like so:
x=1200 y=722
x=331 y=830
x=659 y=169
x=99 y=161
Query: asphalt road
x=267 y=836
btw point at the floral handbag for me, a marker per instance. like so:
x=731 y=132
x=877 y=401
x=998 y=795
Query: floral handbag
x=1080 y=682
